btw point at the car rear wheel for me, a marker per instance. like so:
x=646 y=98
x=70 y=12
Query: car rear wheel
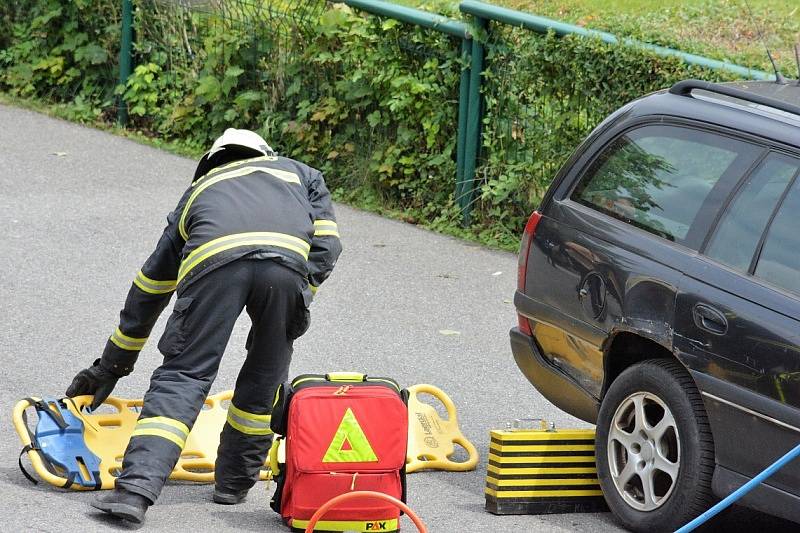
x=655 y=451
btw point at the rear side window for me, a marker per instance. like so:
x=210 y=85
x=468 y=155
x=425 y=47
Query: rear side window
x=665 y=179
x=779 y=262
x=737 y=236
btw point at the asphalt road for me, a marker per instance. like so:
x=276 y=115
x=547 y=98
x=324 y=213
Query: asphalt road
x=80 y=210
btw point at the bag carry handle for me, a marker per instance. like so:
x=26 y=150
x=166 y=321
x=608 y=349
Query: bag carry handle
x=354 y=377
x=364 y=494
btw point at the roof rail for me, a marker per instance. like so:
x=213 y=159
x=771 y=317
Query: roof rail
x=685 y=88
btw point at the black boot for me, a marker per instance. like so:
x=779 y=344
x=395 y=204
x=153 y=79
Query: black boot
x=123 y=504
x=229 y=498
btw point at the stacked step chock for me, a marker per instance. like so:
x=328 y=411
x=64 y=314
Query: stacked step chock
x=542 y=471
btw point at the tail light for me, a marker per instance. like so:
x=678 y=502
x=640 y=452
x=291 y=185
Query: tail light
x=522 y=269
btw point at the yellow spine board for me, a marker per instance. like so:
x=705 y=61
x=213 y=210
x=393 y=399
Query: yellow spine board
x=431 y=439
x=107 y=434
x=538 y=471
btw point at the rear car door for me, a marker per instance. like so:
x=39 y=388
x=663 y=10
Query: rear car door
x=608 y=255
x=738 y=323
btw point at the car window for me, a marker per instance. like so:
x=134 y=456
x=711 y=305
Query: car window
x=737 y=236
x=779 y=262
x=659 y=177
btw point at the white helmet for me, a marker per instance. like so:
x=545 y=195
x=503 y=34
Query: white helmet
x=242 y=142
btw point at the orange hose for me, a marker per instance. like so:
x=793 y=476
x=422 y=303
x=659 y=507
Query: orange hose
x=364 y=494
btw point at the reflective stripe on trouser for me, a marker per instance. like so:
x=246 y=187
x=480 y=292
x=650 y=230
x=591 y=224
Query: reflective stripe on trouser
x=164 y=427
x=248 y=423
x=178 y=388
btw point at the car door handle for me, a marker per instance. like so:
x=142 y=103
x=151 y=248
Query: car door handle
x=709 y=319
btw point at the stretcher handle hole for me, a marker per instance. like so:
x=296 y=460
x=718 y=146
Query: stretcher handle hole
x=435 y=403
x=190 y=455
x=115 y=471
x=317 y=516
x=102 y=409
x=225 y=404
x=460 y=453
x=110 y=424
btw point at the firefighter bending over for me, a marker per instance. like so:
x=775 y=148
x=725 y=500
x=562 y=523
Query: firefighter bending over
x=254 y=231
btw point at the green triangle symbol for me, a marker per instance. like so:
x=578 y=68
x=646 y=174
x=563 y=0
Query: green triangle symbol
x=359 y=450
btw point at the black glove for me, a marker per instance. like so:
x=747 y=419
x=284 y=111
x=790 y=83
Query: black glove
x=93 y=380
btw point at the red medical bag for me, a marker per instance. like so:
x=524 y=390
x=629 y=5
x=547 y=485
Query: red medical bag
x=344 y=432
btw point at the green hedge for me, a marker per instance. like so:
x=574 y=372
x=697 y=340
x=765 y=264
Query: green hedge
x=371 y=102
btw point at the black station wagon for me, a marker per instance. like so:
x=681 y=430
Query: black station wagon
x=659 y=298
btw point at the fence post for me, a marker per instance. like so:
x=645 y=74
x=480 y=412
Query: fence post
x=474 y=116
x=463 y=111
x=468 y=132
x=125 y=53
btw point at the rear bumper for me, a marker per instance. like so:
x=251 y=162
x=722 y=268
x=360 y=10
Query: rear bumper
x=558 y=388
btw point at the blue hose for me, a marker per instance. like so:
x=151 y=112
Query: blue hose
x=741 y=491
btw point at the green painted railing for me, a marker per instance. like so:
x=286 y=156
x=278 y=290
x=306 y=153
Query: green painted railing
x=412 y=16
x=469 y=100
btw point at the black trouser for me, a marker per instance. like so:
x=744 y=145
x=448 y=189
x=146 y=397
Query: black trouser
x=193 y=343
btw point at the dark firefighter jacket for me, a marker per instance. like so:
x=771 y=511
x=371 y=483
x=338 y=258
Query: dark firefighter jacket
x=268 y=207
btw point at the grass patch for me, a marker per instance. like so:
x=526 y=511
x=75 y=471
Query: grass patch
x=720 y=29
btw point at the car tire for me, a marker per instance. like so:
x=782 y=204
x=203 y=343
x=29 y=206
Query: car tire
x=654 y=448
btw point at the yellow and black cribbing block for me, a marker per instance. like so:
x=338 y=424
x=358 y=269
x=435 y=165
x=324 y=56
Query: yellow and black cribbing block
x=539 y=471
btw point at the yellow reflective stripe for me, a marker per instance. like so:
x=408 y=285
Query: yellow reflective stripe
x=177 y=424
x=248 y=423
x=313 y=288
x=153 y=432
x=127 y=343
x=247 y=429
x=153 y=286
x=325 y=227
x=390 y=524
x=249 y=416
x=217 y=170
x=290 y=177
x=325 y=224
x=161 y=426
x=264 y=238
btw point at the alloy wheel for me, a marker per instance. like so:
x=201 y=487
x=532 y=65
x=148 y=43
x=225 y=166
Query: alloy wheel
x=644 y=451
